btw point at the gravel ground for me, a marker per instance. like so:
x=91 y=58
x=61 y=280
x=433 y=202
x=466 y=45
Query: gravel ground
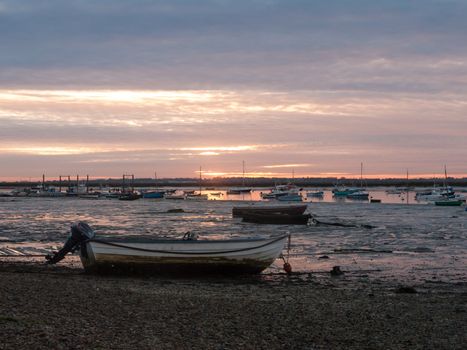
x=60 y=307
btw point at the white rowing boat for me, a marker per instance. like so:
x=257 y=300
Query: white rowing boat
x=158 y=256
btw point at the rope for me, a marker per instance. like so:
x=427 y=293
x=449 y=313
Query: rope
x=186 y=253
x=287 y=266
x=317 y=222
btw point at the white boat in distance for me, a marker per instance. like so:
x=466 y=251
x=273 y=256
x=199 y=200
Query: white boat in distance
x=134 y=254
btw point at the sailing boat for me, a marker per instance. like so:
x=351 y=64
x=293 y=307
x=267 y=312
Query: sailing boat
x=242 y=189
x=360 y=193
x=154 y=193
x=448 y=198
x=199 y=195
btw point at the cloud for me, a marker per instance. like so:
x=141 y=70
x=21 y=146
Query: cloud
x=364 y=45
x=117 y=84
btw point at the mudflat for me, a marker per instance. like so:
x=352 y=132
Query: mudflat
x=60 y=307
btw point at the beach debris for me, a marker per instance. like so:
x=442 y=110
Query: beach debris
x=405 y=290
x=336 y=271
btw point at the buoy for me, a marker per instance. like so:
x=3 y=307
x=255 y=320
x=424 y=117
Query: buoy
x=287 y=268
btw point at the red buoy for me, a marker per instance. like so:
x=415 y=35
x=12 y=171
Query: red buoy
x=287 y=268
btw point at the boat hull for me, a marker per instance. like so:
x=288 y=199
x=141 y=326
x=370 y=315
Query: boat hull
x=297 y=209
x=277 y=219
x=452 y=203
x=153 y=194
x=181 y=257
x=290 y=198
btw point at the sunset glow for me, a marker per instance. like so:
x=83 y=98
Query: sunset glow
x=316 y=95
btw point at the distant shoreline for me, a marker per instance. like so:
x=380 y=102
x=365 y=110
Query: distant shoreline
x=247 y=182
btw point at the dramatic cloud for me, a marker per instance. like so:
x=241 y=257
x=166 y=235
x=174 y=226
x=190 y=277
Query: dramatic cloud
x=105 y=87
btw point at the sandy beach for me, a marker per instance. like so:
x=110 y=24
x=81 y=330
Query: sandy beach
x=60 y=307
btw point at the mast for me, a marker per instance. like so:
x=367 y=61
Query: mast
x=243 y=180
x=200 y=180
x=407 y=188
x=361 y=175
x=445 y=177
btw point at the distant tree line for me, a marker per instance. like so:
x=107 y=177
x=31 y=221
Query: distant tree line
x=249 y=182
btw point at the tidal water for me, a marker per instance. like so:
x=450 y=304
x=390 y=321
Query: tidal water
x=388 y=240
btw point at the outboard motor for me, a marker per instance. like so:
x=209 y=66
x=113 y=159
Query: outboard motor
x=80 y=232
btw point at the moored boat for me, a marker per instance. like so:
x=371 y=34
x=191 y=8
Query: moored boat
x=175 y=196
x=449 y=203
x=180 y=256
x=238 y=190
x=290 y=198
x=133 y=254
x=153 y=194
x=197 y=196
x=277 y=218
x=291 y=209
x=317 y=194
x=129 y=196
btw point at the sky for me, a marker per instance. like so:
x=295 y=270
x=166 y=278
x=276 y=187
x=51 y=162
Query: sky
x=310 y=88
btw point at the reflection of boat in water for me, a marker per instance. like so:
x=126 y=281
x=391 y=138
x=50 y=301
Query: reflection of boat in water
x=291 y=209
x=277 y=218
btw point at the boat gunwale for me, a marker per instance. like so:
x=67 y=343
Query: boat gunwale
x=138 y=240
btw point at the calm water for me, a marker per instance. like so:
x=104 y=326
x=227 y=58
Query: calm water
x=411 y=242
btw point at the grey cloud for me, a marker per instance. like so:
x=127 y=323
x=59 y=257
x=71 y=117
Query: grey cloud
x=293 y=44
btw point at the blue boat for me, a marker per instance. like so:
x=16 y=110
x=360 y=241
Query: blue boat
x=358 y=195
x=154 y=194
